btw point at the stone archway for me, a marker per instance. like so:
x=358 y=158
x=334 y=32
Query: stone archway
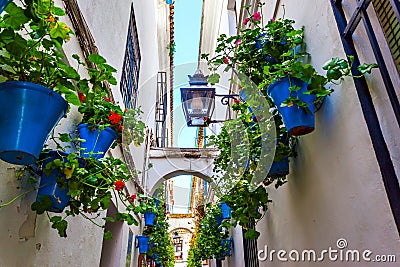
x=171 y=162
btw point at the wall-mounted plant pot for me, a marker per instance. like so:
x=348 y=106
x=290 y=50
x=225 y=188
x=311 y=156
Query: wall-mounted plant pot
x=143 y=243
x=28 y=113
x=226 y=210
x=55 y=185
x=226 y=245
x=97 y=141
x=157 y=202
x=155 y=258
x=3 y=4
x=219 y=220
x=149 y=218
x=279 y=168
x=297 y=120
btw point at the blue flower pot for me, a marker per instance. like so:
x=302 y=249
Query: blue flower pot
x=3 y=4
x=297 y=121
x=28 y=113
x=97 y=142
x=219 y=220
x=149 y=218
x=226 y=245
x=49 y=186
x=155 y=258
x=226 y=211
x=143 y=243
x=157 y=202
x=279 y=168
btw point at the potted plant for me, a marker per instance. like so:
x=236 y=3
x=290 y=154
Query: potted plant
x=54 y=181
x=226 y=245
x=225 y=210
x=273 y=56
x=148 y=207
x=295 y=88
x=162 y=251
x=34 y=76
x=285 y=148
x=210 y=237
x=143 y=244
x=103 y=121
x=84 y=186
x=3 y=4
x=285 y=144
x=241 y=159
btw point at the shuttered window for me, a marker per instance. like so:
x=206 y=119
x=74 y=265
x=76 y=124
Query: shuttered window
x=391 y=27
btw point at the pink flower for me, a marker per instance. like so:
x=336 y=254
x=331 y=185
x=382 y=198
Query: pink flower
x=272 y=19
x=245 y=21
x=238 y=42
x=257 y=16
x=226 y=60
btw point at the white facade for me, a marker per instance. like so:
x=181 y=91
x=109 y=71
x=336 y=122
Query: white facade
x=27 y=239
x=335 y=189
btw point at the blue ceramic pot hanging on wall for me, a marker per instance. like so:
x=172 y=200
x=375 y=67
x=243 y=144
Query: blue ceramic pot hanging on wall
x=97 y=141
x=297 y=120
x=28 y=113
x=3 y=4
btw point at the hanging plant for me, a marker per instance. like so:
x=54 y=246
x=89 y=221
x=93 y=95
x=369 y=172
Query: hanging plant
x=273 y=53
x=162 y=249
x=208 y=242
x=103 y=121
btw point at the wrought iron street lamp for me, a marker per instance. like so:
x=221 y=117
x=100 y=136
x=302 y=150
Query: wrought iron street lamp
x=176 y=239
x=198 y=101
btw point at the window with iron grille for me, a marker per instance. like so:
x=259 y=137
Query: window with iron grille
x=391 y=27
x=131 y=65
x=388 y=12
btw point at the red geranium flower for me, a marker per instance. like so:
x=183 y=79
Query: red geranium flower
x=119 y=185
x=132 y=198
x=120 y=128
x=107 y=99
x=115 y=118
x=226 y=60
x=245 y=21
x=81 y=97
x=236 y=101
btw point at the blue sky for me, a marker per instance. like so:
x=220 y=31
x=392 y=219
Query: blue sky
x=187 y=30
x=187 y=18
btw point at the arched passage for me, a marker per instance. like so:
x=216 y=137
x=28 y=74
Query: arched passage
x=171 y=162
